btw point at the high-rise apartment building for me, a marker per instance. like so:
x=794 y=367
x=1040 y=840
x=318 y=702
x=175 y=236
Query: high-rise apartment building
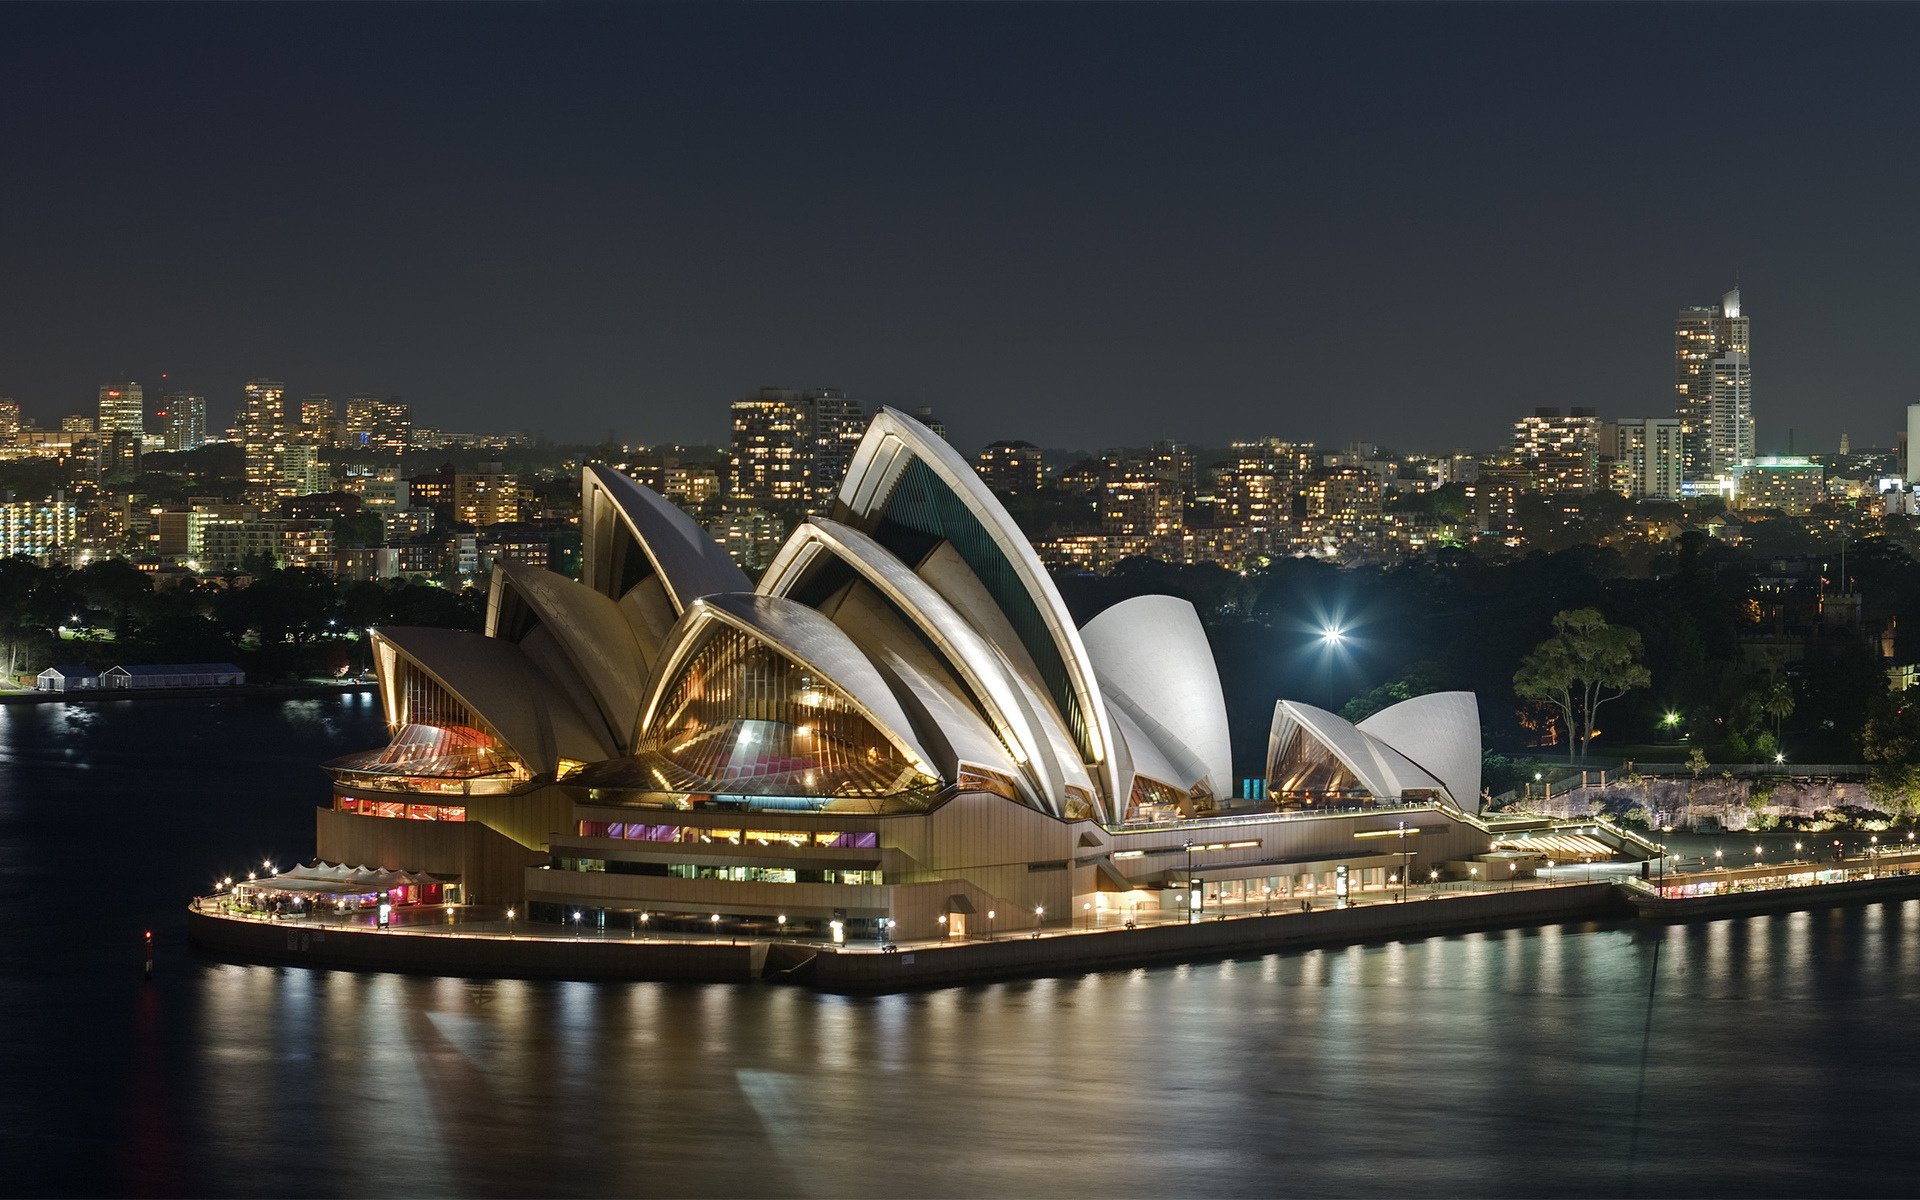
x=9 y=417
x=1729 y=413
x=1011 y=467
x=770 y=453
x=1910 y=462
x=1702 y=335
x=835 y=426
x=299 y=471
x=384 y=426
x=48 y=530
x=1258 y=485
x=123 y=406
x=263 y=432
x=792 y=447
x=1562 y=451
x=488 y=496
x=319 y=422
x=183 y=420
x=1648 y=455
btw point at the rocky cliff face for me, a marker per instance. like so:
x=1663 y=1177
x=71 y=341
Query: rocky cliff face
x=1733 y=804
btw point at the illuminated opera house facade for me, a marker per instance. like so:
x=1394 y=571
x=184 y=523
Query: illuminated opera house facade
x=899 y=727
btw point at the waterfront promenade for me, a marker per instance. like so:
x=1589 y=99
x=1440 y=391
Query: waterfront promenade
x=484 y=941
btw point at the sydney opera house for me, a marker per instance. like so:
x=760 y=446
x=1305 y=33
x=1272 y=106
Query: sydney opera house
x=898 y=729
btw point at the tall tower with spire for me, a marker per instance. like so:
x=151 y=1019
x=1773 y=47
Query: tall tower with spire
x=1710 y=344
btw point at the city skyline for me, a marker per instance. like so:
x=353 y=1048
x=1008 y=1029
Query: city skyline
x=1022 y=212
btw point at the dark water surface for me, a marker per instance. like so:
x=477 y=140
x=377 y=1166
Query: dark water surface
x=1765 y=1056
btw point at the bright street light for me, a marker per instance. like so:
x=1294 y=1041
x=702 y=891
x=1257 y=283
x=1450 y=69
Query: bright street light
x=1333 y=635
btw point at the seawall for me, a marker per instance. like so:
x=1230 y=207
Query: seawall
x=498 y=957
x=282 y=691
x=1023 y=955
x=917 y=966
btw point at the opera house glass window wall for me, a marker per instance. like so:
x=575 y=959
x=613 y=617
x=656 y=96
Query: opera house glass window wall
x=900 y=723
x=743 y=719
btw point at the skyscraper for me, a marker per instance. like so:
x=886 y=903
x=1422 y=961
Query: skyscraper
x=263 y=432
x=9 y=417
x=122 y=407
x=1729 y=413
x=183 y=420
x=1702 y=335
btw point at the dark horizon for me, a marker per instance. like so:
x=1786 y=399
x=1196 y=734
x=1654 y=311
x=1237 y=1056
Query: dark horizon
x=1074 y=225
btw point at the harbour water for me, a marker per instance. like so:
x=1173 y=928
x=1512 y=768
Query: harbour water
x=1764 y=1056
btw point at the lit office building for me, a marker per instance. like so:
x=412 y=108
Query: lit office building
x=1792 y=485
x=834 y=427
x=1729 y=413
x=122 y=407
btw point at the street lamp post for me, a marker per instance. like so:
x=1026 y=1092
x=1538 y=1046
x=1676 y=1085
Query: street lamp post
x=1331 y=639
x=1405 y=866
x=990 y=915
x=1193 y=886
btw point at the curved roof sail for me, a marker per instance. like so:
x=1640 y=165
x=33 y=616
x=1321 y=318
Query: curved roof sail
x=1026 y=726
x=1153 y=660
x=1441 y=732
x=911 y=491
x=639 y=548
x=495 y=682
x=761 y=694
x=577 y=636
x=1378 y=768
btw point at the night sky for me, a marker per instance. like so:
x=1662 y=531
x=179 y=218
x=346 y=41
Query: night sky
x=1079 y=225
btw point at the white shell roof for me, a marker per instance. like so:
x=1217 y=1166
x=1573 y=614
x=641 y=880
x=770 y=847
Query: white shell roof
x=1029 y=723
x=689 y=563
x=598 y=643
x=1143 y=756
x=893 y=440
x=1380 y=768
x=539 y=722
x=1153 y=659
x=1441 y=732
x=805 y=636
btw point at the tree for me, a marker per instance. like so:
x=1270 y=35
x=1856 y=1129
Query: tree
x=1584 y=665
x=1777 y=702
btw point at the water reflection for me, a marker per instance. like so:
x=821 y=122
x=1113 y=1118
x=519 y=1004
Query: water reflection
x=1729 y=1058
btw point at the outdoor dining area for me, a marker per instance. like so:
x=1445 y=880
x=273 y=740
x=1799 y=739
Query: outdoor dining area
x=327 y=887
